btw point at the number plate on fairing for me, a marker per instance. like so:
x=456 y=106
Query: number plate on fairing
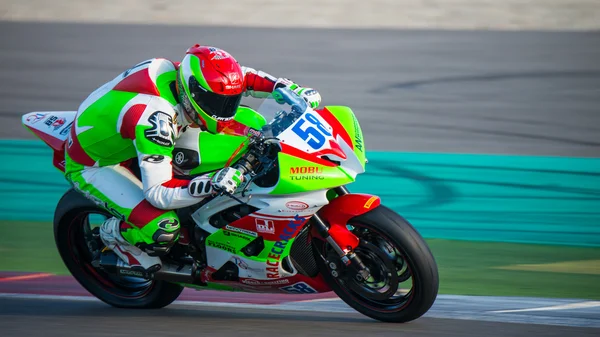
x=309 y=133
x=299 y=288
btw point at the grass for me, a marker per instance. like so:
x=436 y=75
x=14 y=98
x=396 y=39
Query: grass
x=466 y=268
x=471 y=268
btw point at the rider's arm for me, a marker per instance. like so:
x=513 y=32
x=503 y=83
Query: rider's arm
x=154 y=142
x=258 y=83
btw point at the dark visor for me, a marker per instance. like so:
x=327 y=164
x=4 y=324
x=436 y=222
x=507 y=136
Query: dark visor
x=219 y=106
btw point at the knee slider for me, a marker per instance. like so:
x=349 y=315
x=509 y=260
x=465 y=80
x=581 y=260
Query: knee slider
x=162 y=237
x=163 y=242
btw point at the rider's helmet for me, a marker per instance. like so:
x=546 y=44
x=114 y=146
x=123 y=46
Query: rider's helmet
x=210 y=85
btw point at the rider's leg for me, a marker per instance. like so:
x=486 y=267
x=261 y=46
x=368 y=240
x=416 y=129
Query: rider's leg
x=140 y=232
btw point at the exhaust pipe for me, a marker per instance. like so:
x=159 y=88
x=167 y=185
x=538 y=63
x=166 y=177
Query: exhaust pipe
x=173 y=273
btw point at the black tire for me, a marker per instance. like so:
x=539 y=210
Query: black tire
x=69 y=220
x=418 y=257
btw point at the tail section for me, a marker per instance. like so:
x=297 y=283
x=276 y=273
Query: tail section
x=53 y=128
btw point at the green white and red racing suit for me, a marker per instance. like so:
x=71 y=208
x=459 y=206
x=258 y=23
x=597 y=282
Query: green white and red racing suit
x=137 y=116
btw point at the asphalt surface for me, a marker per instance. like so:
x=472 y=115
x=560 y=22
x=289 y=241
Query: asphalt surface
x=529 y=310
x=434 y=91
x=25 y=317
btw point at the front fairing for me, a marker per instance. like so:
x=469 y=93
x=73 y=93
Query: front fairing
x=320 y=149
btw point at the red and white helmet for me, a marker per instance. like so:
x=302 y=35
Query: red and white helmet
x=210 y=83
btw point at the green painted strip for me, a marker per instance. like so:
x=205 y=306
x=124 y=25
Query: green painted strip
x=550 y=200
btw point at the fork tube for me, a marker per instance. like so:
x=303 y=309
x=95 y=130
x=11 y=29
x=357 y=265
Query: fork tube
x=342 y=190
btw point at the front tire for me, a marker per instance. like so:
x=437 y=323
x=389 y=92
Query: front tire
x=77 y=240
x=396 y=254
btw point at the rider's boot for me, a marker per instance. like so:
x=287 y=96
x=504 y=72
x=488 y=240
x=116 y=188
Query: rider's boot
x=133 y=256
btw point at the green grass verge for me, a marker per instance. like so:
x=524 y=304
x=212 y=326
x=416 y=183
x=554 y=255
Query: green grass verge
x=469 y=268
x=29 y=246
x=466 y=268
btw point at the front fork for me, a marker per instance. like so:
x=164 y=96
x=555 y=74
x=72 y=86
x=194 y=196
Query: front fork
x=337 y=213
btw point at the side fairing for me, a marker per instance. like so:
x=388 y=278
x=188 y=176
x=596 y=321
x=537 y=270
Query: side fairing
x=299 y=175
x=350 y=123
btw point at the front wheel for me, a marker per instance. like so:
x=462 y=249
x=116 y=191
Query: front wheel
x=76 y=232
x=404 y=278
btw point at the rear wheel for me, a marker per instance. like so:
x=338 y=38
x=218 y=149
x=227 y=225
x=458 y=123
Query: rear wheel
x=404 y=278
x=76 y=232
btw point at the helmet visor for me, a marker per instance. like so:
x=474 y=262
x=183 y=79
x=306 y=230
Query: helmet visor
x=215 y=105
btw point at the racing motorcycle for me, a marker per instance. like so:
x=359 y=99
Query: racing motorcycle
x=292 y=227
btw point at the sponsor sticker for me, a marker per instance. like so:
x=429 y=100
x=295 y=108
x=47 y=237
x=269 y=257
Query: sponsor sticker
x=255 y=282
x=265 y=226
x=305 y=170
x=179 y=158
x=307 y=177
x=66 y=129
x=161 y=132
x=222 y=119
x=296 y=205
x=35 y=118
x=168 y=224
x=306 y=173
x=155 y=158
x=370 y=202
x=50 y=120
x=279 y=247
x=221 y=245
x=358 y=138
x=237 y=235
x=241 y=230
x=58 y=123
x=240 y=263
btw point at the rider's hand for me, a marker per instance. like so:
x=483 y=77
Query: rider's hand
x=311 y=96
x=227 y=179
x=200 y=186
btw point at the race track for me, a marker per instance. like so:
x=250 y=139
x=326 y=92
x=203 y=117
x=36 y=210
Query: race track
x=84 y=318
x=476 y=92
x=426 y=91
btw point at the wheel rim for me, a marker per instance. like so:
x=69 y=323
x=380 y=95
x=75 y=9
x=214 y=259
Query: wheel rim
x=83 y=240
x=391 y=285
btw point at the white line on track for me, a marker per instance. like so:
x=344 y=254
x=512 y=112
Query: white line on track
x=286 y=306
x=579 y=305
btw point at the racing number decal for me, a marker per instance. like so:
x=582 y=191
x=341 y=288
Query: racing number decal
x=299 y=288
x=315 y=135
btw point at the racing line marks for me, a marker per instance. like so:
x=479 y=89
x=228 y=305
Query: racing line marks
x=24 y=277
x=579 y=305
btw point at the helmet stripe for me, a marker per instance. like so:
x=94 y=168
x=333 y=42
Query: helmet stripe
x=195 y=69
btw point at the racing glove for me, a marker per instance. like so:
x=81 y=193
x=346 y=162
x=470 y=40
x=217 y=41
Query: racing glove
x=201 y=186
x=310 y=95
x=227 y=179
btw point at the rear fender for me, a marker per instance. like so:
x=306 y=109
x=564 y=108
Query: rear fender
x=340 y=210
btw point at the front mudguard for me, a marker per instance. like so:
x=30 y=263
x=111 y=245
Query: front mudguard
x=340 y=210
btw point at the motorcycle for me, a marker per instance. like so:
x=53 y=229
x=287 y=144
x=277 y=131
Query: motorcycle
x=291 y=227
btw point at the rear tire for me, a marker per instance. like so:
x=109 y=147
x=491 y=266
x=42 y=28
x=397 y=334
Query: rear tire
x=420 y=266
x=70 y=219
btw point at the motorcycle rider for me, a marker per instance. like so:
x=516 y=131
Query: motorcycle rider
x=138 y=116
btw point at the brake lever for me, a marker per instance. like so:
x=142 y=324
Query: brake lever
x=233 y=197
